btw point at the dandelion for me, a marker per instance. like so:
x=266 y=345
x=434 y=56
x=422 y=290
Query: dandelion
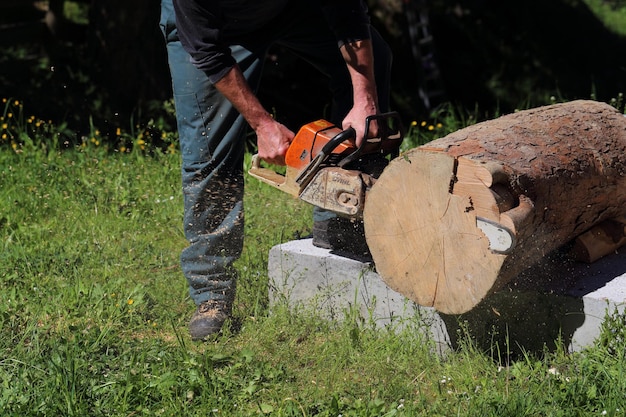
x=130 y=302
x=414 y=123
x=9 y=115
x=439 y=125
x=423 y=124
x=5 y=126
x=118 y=132
x=16 y=103
x=4 y=136
x=431 y=127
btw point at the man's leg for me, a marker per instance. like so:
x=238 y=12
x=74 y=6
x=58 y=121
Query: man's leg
x=212 y=145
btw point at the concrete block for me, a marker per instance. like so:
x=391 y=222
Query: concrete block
x=305 y=276
x=557 y=299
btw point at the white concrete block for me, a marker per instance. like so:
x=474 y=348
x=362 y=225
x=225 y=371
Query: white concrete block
x=556 y=298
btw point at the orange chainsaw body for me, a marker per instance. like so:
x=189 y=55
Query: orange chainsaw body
x=324 y=165
x=310 y=140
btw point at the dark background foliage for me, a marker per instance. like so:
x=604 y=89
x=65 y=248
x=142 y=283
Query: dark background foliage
x=111 y=70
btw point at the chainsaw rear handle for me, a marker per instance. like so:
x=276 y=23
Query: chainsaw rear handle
x=273 y=178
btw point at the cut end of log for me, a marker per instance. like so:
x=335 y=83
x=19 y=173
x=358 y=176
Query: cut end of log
x=428 y=219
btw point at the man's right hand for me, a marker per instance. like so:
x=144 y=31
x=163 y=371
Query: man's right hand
x=273 y=140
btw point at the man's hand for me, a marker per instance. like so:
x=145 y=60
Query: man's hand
x=273 y=140
x=356 y=119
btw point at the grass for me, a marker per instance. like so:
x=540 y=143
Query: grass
x=611 y=13
x=94 y=311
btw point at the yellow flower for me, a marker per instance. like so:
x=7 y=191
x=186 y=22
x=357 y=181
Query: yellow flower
x=5 y=125
x=423 y=124
x=130 y=301
x=4 y=100
x=4 y=136
x=118 y=131
x=141 y=142
x=16 y=103
x=439 y=125
x=431 y=127
x=9 y=115
x=414 y=123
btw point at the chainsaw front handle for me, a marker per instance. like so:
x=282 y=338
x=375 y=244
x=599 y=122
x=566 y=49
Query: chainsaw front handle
x=311 y=169
x=390 y=137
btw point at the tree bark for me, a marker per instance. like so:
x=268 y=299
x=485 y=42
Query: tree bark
x=450 y=222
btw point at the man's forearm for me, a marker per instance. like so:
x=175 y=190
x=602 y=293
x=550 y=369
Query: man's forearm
x=360 y=60
x=272 y=137
x=236 y=89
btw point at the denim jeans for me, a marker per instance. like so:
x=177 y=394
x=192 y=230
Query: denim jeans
x=212 y=135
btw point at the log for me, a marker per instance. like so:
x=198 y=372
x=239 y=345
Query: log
x=452 y=221
x=600 y=240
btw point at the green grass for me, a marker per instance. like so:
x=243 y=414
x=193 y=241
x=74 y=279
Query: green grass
x=94 y=310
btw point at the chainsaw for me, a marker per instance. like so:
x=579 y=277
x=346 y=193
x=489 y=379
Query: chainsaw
x=324 y=167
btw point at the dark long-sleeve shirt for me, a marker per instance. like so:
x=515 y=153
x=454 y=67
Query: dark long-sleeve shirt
x=205 y=27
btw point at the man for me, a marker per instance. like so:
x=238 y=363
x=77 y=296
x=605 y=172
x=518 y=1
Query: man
x=216 y=50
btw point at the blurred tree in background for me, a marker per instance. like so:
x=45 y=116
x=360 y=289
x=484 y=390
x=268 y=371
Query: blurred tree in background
x=103 y=63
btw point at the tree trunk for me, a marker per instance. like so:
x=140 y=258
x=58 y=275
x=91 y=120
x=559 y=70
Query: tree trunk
x=452 y=221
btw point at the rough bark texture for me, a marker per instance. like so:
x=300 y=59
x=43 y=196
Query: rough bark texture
x=541 y=177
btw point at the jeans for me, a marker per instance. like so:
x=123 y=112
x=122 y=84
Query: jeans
x=212 y=135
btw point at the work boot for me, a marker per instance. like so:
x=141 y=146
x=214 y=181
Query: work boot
x=208 y=319
x=342 y=235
